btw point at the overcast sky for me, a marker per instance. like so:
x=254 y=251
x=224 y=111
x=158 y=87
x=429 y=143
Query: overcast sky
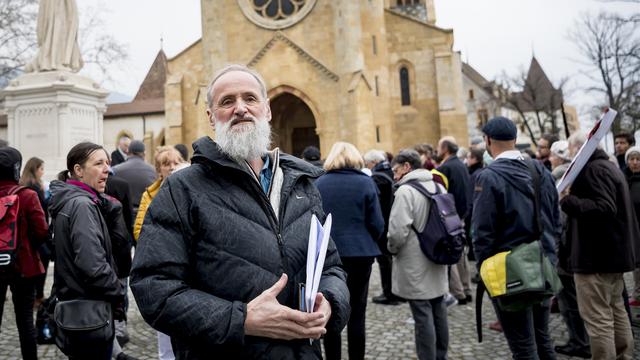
x=495 y=36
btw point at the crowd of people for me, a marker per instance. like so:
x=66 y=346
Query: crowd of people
x=221 y=239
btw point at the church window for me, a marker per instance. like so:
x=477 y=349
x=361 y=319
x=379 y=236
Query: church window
x=483 y=117
x=470 y=94
x=404 y=86
x=374 y=45
x=377 y=134
x=276 y=14
x=277 y=9
x=377 y=89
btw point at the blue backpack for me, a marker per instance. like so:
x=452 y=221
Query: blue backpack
x=443 y=237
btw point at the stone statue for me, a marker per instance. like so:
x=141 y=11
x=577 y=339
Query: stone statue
x=57 y=37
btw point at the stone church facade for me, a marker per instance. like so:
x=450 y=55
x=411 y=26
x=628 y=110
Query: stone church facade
x=376 y=73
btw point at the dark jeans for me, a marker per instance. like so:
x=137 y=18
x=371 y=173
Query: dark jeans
x=568 y=303
x=22 y=295
x=99 y=354
x=431 y=328
x=385 y=262
x=358 y=272
x=527 y=332
x=40 y=279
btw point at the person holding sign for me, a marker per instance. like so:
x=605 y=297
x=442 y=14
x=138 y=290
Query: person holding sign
x=602 y=244
x=223 y=247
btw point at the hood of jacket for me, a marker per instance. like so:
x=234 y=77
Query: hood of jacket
x=515 y=172
x=421 y=175
x=61 y=192
x=207 y=151
x=599 y=154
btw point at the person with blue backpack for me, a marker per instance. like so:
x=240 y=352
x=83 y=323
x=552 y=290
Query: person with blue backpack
x=415 y=277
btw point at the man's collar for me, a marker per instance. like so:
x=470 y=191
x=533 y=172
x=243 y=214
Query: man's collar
x=124 y=155
x=267 y=162
x=510 y=155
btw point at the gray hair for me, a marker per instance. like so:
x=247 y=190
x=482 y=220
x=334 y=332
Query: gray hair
x=235 y=67
x=408 y=156
x=375 y=156
x=577 y=139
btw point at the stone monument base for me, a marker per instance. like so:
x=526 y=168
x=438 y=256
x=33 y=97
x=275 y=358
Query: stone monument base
x=50 y=112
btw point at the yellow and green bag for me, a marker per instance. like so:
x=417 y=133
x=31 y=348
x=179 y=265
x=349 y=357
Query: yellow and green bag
x=520 y=278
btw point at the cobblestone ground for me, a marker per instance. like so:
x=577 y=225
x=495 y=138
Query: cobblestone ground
x=389 y=333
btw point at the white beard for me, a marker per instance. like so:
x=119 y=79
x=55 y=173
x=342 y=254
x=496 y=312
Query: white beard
x=245 y=141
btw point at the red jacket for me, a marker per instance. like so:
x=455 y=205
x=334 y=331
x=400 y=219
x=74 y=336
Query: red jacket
x=32 y=229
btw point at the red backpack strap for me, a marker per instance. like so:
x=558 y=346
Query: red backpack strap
x=16 y=189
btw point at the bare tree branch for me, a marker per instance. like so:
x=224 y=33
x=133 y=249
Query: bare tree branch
x=18 y=42
x=611 y=45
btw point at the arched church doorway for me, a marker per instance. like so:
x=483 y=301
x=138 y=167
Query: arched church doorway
x=293 y=124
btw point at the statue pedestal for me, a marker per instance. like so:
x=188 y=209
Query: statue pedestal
x=50 y=112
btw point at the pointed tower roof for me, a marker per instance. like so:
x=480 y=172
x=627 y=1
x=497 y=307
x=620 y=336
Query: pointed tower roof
x=538 y=93
x=153 y=85
x=150 y=96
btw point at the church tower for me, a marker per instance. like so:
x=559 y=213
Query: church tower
x=376 y=73
x=423 y=10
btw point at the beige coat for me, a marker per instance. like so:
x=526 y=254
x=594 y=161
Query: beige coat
x=414 y=277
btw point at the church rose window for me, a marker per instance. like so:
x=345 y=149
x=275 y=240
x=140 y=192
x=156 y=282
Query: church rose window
x=276 y=14
x=404 y=86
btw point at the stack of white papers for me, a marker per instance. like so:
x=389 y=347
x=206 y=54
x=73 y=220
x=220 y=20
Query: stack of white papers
x=597 y=133
x=316 y=253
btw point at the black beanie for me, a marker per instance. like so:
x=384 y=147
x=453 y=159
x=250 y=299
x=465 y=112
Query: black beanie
x=10 y=164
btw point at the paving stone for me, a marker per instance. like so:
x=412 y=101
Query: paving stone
x=389 y=333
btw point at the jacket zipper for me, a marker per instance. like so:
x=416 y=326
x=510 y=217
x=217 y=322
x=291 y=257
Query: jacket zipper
x=275 y=223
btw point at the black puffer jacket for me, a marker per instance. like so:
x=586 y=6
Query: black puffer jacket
x=603 y=233
x=85 y=268
x=211 y=243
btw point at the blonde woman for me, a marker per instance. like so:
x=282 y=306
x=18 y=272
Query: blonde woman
x=167 y=160
x=352 y=197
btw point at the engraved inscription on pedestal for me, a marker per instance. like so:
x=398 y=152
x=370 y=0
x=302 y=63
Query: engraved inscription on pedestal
x=82 y=123
x=35 y=128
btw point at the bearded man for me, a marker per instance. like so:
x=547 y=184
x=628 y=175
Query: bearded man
x=223 y=247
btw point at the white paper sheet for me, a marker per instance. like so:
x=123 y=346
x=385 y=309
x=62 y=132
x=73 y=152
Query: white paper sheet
x=316 y=253
x=597 y=133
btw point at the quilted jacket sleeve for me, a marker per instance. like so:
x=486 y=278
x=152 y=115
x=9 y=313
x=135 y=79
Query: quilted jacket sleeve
x=90 y=256
x=160 y=278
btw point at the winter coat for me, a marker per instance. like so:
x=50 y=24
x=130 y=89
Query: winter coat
x=633 y=179
x=117 y=158
x=603 y=230
x=85 y=268
x=33 y=230
x=147 y=196
x=383 y=177
x=351 y=197
x=120 y=189
x=459 y=184
x=212 y=241
x=118 y=234
x=559 y=171
x=138 y=174
x=413 y=275
x=504 y=210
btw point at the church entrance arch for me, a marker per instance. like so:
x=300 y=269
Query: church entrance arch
x=293 y=124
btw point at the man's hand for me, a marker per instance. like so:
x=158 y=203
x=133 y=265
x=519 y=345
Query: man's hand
x=323 y=307
x=565 y=192
x=267 y=318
